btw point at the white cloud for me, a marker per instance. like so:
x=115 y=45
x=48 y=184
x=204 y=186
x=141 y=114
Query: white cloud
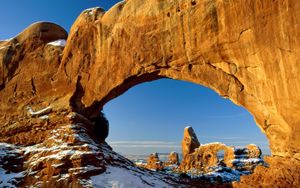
x=145 y=144
x=224 y=138
x=146 y=147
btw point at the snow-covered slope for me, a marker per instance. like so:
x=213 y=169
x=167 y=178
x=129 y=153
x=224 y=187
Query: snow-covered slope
x=70 y=156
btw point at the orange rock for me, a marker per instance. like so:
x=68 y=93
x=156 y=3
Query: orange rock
x=173 y=158
x=253 y=151
x=153 y=162
x=189 y=142
x=173 y=161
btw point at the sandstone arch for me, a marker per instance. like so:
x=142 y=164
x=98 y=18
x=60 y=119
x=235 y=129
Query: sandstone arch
x=244 y=50
x=247 y=51
x=205 y=156
x=239 y=49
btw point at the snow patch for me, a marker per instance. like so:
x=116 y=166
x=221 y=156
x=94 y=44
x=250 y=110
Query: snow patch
x=9 y=179
x=250 y=161
x=40 y=112
x=91 y=11
x=59 y=42
x=45 y=117
x=122 y=178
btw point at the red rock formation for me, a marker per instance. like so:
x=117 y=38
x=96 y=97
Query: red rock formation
x=247 y=51
x=253 y=151
x=189 y=142
x=172 y=163
x=173 y=158
x=153 y=162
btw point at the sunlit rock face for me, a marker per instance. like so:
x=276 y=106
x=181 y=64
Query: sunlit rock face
x=207 y=156
x=153 y=162
x=247 y=51
x=173 y=159
x=189 y=142
x=214 y=162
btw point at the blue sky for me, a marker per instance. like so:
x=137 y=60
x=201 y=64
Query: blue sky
x=16 y=15
x=151 y=116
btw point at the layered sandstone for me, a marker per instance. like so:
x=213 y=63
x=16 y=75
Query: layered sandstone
x=247 y=51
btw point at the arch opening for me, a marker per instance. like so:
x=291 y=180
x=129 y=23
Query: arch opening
x=150 y=117
x=146 y=98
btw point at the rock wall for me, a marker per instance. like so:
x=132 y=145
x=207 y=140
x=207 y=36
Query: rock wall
x=245 y=50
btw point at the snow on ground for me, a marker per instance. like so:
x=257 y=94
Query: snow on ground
x=41 y=112
x=120 y=172
x=91 y=11
x=56 y=150
x=223 y=176
x=122 y=178
x=213 y=143
x=217 y=174
x=60 y=42
x=9 y=179
x=6 y=149
x=250 y=161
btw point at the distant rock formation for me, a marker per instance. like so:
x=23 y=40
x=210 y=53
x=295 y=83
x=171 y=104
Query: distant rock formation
x=206 y=156
x=172 y=163
x=153 y=162
x=253 y=151
x=173 y=158
x=189 y=142
x=207 y=159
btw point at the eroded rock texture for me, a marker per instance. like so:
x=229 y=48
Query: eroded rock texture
x=245 y=50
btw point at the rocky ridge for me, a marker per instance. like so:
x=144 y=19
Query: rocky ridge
x=69 y=156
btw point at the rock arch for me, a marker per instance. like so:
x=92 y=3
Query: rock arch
x=239 y=49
